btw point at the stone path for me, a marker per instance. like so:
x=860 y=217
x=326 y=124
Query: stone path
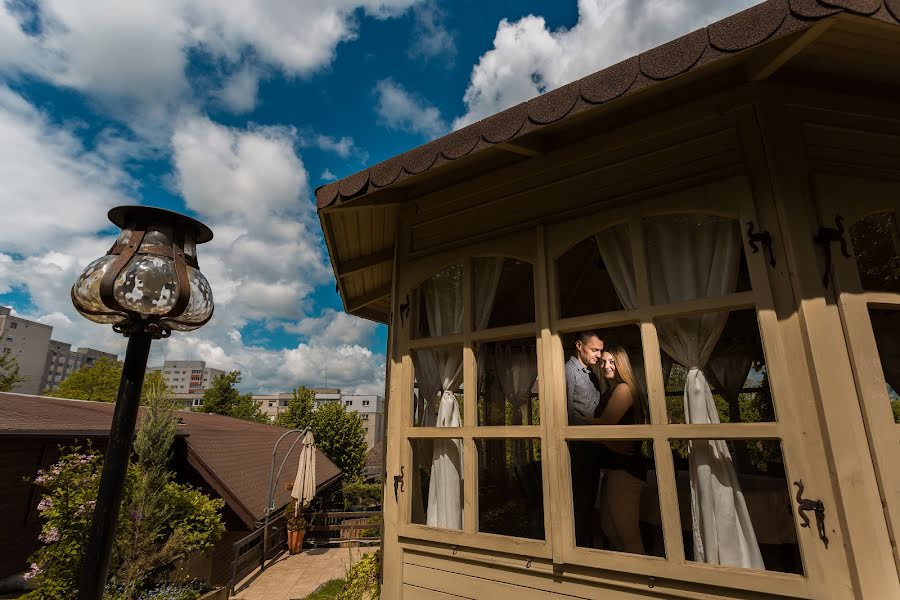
x=295 y=577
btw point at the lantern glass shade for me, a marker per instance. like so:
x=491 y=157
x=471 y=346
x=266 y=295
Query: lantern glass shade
x=86 y=293
x=157 y=247
x=147 y=285
x=200 y=306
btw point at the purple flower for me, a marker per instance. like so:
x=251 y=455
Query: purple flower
x=135 y=516
x=44 y=504
x=50 y=536
x=32 y=572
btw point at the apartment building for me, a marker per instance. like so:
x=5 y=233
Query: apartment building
x=188 y=379
x=28 y=342
x=62 y=361
x=369 y=407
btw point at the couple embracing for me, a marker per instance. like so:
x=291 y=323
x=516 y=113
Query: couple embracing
x=612 y=399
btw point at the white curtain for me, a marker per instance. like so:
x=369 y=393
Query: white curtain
x=695 y=257
x=439 y=373
x=516 y=368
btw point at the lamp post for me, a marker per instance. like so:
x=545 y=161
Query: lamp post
x=147 y=285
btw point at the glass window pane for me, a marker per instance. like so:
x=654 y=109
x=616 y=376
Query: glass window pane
x=694 y=256
x=597 y=274
x=438 y=387
x=605 y=382
x=886 y=326
x=504 y=292
x=437 y=482
x=735 y=369
x=438 y=304
x=615 y=509
x=743 y=519
x=507 y=383
x=876 y=246
x=510 y=488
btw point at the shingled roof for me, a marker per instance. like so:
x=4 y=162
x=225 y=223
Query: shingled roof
x=761 y=23
x=233 y=456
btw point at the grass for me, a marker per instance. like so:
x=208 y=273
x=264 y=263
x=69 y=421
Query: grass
x=328 y=591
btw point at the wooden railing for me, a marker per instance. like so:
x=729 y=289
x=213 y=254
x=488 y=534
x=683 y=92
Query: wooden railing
x=248 y=551
x=344 y=528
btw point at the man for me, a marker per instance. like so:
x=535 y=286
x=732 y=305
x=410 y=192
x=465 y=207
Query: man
x=582 y=398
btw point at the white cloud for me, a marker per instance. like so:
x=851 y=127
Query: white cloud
x=131 y=56
x=334 y=327
x=53 y=189
x=399 y=109
x=344 y=146
x=327 y=175
x=430 y=37
x=239 y=92
x=528 y=59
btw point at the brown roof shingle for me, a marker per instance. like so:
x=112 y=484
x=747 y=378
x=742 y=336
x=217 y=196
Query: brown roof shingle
x=234 y=456
x=758 y=24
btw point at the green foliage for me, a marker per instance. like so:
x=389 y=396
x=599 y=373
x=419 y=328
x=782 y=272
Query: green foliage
x=359 y=495
x=895 y=407
x=159 y=522
x=9 y=373
x=339 y=434
x=362 y=579
x=70 y=491
x=98 y=382
x=299 y=411
x=223 y=398
x=330 y=590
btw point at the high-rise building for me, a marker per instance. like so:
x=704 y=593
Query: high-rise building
x=27 y=342
x=62 y=361
x=187 y=379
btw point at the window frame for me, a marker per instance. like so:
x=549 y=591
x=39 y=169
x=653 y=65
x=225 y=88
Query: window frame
x=523 y=246
x=541 y=245
x=870 y=196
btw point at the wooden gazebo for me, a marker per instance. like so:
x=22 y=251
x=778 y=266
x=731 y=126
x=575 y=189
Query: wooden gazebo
x=724 y=209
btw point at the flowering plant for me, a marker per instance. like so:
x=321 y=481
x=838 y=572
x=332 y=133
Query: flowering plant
x=293 y=517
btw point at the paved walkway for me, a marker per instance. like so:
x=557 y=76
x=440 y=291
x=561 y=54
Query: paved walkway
x=295 y=577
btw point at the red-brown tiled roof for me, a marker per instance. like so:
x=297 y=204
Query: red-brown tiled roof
x=758 y=24
x=233 y=456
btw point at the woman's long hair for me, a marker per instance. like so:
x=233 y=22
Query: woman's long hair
x=625 y=374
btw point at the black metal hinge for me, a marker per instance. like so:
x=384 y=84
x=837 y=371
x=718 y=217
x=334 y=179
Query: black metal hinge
x=817 y=506
x=398 y=482
x=824 y=237
x=761 y=237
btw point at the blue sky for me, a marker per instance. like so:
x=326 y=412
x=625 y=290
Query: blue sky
x=235 y=112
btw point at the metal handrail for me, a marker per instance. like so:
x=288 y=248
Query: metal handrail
x=270 y=502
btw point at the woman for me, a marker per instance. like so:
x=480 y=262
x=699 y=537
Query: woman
x=620 y=495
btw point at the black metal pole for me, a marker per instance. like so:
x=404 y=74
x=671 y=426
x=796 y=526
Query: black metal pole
x=95 y=567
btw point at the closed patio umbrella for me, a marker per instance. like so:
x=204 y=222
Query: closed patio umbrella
x=305 y=482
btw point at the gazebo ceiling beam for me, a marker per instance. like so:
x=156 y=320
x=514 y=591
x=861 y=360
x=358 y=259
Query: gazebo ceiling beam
x=355 y=304
x=766 y=65
x=355 y=265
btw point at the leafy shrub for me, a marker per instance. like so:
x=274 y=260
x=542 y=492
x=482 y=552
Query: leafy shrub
x=362 y=579
x=359 y=495
x=295 y=522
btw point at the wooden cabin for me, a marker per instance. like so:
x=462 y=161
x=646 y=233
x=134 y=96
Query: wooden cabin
x=720 y=214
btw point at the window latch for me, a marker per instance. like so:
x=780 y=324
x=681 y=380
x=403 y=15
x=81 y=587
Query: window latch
x=760 y=237
x=825 y=237
x=817 y=506
x=398 y=482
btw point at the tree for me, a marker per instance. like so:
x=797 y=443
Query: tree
x=98 y=382
x=223 y=398
x=159 y=522
x=339 y=434
x=299 y=413
x=9 y=373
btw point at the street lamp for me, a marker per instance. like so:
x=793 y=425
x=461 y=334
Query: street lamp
x=147 y=285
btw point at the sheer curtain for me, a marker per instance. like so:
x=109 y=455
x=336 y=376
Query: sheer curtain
x=694 y=257
x=440 y=373
x=516 y=368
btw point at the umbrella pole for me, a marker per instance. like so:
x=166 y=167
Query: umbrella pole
x=271 y=497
